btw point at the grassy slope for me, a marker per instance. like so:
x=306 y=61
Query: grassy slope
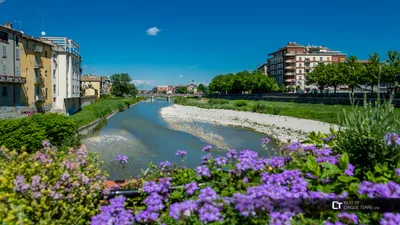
x=101 y=108
x=320 y=112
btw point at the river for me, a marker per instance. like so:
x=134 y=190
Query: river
x=141 y=134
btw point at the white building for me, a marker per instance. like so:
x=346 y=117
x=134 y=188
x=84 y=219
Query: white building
x=66 y=72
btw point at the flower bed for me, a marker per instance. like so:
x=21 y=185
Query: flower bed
x=297 y=187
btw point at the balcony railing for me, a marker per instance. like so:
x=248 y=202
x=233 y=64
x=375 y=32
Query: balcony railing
x=290 y=80
x=290 y=61
x=38 y=80
x=290 y=67
x=290 y=53
x=12 y=79
x=39 y=98
x=37 y=48
x=290 y=73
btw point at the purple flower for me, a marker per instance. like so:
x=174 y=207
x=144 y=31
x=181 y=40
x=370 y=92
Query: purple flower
x=65 y=176
x=154 y=202
x=220 y=161
x=181 y=153
x=372 y=190
x=335 y=223
x=147 y=216
x=164 y=165
x=391 y=138
x=265 y=140
x=280 y=217
x=207 y=148
x=203 y=171
x=276 y=161
x=348 y=218
x=331 y=137
x=390 y=219
x=209 y=213
x=330 y=159
x=292 y=147
x=397 y=172
x=20 y=185
x=207 y=195
x=150 y=187
x=245 y=180
x=349 y=170
x=232 y=154
x=191 y=188
x=46 y=143
x=35 y=181
x=122 y=159
x=183 y=209
x=322 y=152
x=205 y=159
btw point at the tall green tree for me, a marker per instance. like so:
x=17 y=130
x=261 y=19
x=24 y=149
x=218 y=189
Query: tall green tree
x=201 y=88
x=334 y=73
x=121 y=85
x=318 y=76
x=352 y=72
x=392 y=70
x=182 y=90
x=372 y=71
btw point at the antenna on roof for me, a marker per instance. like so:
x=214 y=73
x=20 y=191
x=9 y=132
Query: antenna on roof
x=20 y=23
x=43 y=33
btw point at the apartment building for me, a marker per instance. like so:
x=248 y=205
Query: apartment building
x=160 y=89
x=66 y=73
x=290 y=64
x=263 y=68
x=11 y=82
x=36 y=64
x=91 y=85
x=105 y=85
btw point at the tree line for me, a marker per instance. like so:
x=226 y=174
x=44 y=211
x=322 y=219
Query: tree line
x=353 y=73
x=242 y=82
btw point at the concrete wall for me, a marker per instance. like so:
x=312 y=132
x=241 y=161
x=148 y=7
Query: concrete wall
x=87 y=100
x=72 y=105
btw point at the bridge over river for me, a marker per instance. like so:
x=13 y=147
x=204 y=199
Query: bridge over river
x=169 y=96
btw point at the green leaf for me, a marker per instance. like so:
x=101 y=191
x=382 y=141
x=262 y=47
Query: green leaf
x=370 y=176
x=346 y=179
x=343 y=161
x=353 y=187
x=378 y=169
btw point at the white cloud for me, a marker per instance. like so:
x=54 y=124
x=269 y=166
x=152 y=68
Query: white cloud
x=180 y=76
x=153 y=31
x=138 y=82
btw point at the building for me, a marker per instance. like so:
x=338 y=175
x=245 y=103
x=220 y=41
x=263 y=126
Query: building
x=11 y=82
x=192 y=89
x=171 y=89
x=263 y=68
x=66 y=74
x=160 y=89
x=363 y=62
x=290 y=64
x=36 y=67
x=105 y=85
x=91 y=85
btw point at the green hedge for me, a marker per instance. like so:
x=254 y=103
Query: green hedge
x=31 y=131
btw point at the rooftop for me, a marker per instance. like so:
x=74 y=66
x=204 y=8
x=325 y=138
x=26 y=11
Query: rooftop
x=65 y=44
x=90 y=78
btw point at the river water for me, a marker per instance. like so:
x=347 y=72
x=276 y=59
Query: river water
x=141 y=134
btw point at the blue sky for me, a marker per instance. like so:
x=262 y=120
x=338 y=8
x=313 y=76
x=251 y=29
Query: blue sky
x=200 y=39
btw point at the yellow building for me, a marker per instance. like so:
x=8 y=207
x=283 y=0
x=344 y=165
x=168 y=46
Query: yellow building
x=35 y=59
x=91 y=85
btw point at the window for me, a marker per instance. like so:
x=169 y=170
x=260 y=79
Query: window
x=335 y=59
x=37 y=92
x=300 y=71
x=3 y=36
x=54 y=89
x=313 y=58
x=27 y=44
x=301 y=65
x=54 y=73
x=17 y=54
x=17 y=71
x=291 y=51
x=45 y=73
x=45 y=54
x=4 y=92
x=300 y=58
x=54 y=99
x=327 y=59
x=46 y=93
x=36 y=74
x=17 y=41
x=4 y=52
x=321 y=59
x=4 y=69
x=299 y=51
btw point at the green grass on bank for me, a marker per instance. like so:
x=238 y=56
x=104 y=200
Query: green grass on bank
x=319 y=112
x=101 y=108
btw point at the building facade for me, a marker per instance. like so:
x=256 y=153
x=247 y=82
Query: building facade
x=105 y=86
x=91 y=85
x=263 y=68
x=66 y=73
x=291 y=63
x=11 y=81
x=36 y=67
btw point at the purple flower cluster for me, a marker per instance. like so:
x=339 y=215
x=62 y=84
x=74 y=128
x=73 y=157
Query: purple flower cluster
x=183 y=209
x=203 y=171
x=220 y=161
x=207 y=195
x=276 y=161
x=390 y=219
x=209 y=210
x=191 y=188
x=349 y=170
x=291 y=147
x=181 y=154
x=397 y=172
x=165 y=164
x=207 y=148
x=114 y=213
x=372 y=190
x=121 y=159
x=232 y=154
x=204 y=159
x=329 y=138
x=20 y=185
x=265 y=140
x=392 y=138
x=329 y=159
x=280 y=218
x=44 y=158
x=249 y=160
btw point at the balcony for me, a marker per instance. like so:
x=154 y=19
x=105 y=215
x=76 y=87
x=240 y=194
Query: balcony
x=37 y=49
x=12 y=79
x=290 y=67
x=290 y=53
x=290 y=61
x=38 y=65
x=38 y=80
x=290 y=73
x=307 y=61
x=290 y=80
x=40 y=98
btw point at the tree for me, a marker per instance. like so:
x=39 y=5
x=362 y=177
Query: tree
x=334 y=73
x=122 y=85
x=352 y=71
x=182 y=90
x=318 y=76
x=393 y=67
x=372 y=71
x=201 y=88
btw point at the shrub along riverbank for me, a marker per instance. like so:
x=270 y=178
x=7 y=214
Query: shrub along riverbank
x=319 y=112
x=101 y=108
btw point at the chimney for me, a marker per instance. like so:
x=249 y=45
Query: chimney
x=8 y=25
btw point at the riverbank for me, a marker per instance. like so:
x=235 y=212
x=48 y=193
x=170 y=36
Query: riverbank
x=101 y=108
x=281 y=128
